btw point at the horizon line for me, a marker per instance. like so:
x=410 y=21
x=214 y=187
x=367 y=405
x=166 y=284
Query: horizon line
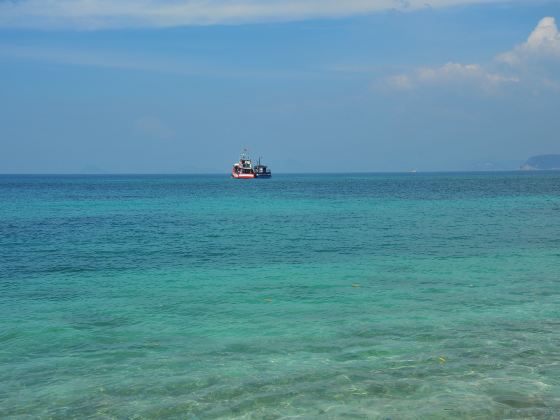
x=280 y=173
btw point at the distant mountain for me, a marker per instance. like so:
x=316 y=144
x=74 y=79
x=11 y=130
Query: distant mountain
x=542 y=163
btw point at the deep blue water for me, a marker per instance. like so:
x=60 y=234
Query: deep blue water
x=401 y=296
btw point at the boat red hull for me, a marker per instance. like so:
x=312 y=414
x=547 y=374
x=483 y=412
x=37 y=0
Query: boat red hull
x=242 y=176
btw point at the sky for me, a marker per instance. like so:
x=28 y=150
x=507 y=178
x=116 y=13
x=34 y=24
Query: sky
x=182 y=86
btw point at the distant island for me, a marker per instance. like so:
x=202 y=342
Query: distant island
x=542 y=163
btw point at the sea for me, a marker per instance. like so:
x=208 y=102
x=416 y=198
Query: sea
x=382 y=296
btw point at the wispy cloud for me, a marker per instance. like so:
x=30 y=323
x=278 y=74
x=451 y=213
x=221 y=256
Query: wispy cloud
x=450 y=74
x=153 y=128
x=100 y=14
x=148 y=62
x=95 y=59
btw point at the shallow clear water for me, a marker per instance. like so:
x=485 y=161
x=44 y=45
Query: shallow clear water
x=402 y=296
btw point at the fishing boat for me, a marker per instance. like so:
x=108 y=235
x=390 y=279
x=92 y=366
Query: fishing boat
x=244 y=168
x=262 y=171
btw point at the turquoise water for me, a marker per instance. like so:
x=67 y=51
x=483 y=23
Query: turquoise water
x=378 y=296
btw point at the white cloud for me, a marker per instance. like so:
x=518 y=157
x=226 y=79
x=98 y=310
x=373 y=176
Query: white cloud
x=99 y=14
x=401 y=81
x=450 y=74
x=536 y=62
x=542 y=44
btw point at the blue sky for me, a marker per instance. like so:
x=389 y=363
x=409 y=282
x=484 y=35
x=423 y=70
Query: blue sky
x=315 y=85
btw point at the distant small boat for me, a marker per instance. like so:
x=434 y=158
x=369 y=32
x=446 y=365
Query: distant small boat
x=412 y=171
x=262 y=171
x=244 y=168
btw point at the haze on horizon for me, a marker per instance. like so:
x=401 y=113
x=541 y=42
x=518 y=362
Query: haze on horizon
x=312 y=86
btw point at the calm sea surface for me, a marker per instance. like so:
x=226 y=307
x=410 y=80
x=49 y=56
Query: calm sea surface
x=378 y=296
